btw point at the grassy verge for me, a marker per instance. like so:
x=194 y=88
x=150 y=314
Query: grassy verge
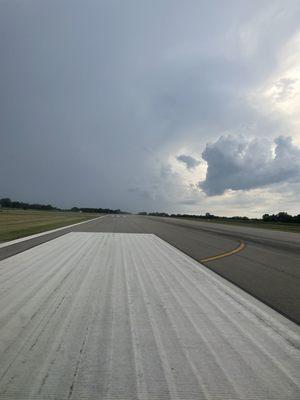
x=15 y=223
x=287 y=227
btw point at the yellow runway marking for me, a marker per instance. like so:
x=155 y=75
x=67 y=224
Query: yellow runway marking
x=228 y=253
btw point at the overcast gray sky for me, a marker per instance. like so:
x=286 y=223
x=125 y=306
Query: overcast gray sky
x=181 y=106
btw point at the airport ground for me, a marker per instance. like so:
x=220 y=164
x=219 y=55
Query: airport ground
x=17 y=223
x=264 y=263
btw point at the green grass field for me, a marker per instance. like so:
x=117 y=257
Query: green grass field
x=15 y=223
x=287 y=227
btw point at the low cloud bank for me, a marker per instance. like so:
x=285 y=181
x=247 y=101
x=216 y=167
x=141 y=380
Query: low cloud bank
x=240 y=163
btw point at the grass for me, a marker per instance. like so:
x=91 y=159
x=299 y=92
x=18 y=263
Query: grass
x=15 y=223
x=286 y=227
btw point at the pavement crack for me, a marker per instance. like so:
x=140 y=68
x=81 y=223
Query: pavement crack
x=75 y=374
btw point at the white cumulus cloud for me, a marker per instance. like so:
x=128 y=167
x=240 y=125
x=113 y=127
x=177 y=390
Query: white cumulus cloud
x=241 y=163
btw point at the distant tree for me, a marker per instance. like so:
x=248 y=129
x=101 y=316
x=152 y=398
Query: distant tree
x=266 y=218
x=284 y=217
x=5 y=202
x=209 y=216
x=280 y=217
x=159 y=214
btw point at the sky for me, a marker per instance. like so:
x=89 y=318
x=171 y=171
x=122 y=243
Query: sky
x=162 y=105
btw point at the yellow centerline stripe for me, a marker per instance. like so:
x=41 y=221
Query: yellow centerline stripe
x=226 y=254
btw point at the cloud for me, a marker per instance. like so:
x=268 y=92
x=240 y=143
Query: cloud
x=189 y=161
x=240 y=163
x=285 y=89
x=94 y=109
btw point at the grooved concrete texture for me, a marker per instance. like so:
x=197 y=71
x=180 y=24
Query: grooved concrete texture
x=128 y=316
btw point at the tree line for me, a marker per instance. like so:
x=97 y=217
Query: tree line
x=282 y=217
x=8 y=203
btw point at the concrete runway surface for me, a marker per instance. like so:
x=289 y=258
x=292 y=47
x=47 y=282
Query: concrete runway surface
x=268 y=267
x=128 y=316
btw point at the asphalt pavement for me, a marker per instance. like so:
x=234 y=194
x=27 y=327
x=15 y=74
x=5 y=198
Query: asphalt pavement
x=268 y=266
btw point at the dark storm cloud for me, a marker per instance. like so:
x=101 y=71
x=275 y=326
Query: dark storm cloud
x=93 y=91
x=238 y=163
x=189 y=161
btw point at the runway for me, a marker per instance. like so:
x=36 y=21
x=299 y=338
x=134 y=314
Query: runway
x=111 y=316
x=267 y=267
